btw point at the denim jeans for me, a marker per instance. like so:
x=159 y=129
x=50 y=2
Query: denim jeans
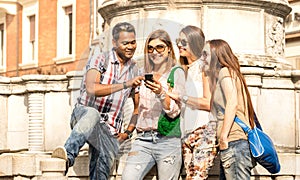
x=236 y=161
x=103 y=146
x=164 y=152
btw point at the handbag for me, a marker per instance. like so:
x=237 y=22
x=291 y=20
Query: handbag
x=261 y=146
x=167 y=126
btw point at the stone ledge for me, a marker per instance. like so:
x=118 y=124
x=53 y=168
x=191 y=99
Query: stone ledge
x=42 y=166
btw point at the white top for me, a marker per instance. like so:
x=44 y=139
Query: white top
x=150 y=106
x=193 y=118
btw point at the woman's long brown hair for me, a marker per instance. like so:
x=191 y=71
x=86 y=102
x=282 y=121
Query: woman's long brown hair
x=196 y=41
x=222 y=56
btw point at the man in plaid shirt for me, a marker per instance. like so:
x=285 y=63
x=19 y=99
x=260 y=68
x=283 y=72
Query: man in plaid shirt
x=97 y=115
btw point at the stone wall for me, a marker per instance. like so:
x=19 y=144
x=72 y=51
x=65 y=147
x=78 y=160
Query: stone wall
x=36 y=111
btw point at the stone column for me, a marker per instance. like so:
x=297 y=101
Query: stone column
x=36 y=122
x=35 y=88
x=5 y=91
x=253 y=28
x=48 y=111
x=296 y=79
x=255 y=31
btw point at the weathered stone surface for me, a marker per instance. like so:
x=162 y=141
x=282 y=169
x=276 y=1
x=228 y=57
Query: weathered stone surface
x=3 y=122
x=81 y=167
x=271 y=81
x=24 y=164
x=17 y=122
x=6 y=167
x=52 y=167
x=275 y=110
x=57 y=114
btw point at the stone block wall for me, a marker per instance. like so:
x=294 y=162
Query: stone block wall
x=36 y=112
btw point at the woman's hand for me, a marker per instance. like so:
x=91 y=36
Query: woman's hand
x=223 y=143
x=174 y=96
x=155 y=86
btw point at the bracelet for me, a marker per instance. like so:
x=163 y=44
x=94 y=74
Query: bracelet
x=162 y=95
x=124 y=85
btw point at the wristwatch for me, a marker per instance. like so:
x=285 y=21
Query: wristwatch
x=129 y=134
x=124 y=85
x=184 y=98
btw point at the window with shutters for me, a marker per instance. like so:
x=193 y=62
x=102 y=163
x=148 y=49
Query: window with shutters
x=29 y=35
x=65 y=31
x=98 y=20
x=32 y=37
x=3 y=41
x=2 y=60
x=68 y=29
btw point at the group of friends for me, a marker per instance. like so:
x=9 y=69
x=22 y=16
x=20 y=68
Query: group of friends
x=209 y=90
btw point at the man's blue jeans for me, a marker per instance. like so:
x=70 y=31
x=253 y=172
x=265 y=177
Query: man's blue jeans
x=103 y=146
x=236 y=161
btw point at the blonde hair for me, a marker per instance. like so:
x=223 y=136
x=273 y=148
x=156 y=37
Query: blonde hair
x=164 y=37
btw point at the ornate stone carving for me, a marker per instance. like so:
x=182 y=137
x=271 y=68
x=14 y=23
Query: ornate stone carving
x=275 y=41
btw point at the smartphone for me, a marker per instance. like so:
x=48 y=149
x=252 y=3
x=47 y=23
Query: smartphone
x=149 y=77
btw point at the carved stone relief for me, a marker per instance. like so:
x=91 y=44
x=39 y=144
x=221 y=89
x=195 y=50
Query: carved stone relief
x=275 y=38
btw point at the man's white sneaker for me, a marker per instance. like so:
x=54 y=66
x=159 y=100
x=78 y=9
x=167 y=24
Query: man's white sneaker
x=60 y=152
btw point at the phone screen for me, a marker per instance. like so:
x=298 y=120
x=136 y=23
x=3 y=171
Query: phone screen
x=149 y=77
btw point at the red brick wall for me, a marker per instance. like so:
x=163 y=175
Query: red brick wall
x=47 y=32
x=11 y=43
x=83 y=26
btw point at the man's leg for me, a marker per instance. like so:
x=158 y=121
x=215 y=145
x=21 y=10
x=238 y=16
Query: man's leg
x=104 y=148
x=83 y=121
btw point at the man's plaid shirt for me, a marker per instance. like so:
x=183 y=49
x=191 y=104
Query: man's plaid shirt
x=110 y=107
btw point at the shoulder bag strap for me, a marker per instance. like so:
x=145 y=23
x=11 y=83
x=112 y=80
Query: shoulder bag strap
x=171 y=76
x=242 y=124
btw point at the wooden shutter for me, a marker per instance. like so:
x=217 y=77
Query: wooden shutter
x=68 y=10
x=32 y=28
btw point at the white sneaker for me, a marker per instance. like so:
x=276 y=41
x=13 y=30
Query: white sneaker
x=60 y=152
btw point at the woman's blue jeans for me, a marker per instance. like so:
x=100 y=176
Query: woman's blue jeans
x=236 y=161
x=164 y=152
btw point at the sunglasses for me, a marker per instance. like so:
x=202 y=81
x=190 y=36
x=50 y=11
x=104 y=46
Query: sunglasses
x=159 y=48
x=183 y=42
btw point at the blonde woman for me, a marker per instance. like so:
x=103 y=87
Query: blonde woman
x=151 y=147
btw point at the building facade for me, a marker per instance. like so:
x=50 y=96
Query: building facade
x=292 y=28
x=50 y=40
x=46 y=37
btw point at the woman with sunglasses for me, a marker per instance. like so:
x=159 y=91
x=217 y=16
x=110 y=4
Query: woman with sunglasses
x=199 y=133
x=151 y=147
